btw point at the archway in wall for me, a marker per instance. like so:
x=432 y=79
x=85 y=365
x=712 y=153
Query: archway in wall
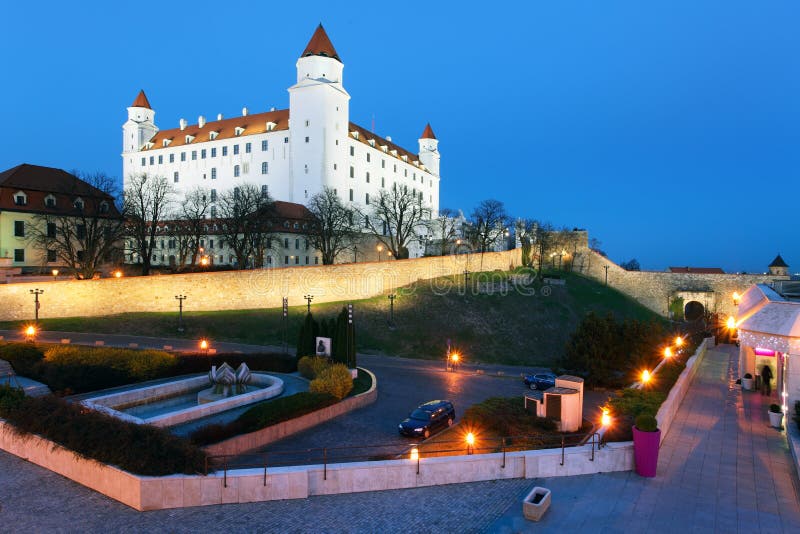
x=693 y=310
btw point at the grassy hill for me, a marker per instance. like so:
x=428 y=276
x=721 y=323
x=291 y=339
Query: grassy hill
x=511 y=327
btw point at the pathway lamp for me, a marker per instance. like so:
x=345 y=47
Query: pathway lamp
x=667 y=353
x=737 y=298
x=117 y=274
x=391 y=307
x=679 y=341
x=470 y=443
x=204 y=346
x=36 y=303
x=380 y=249
x=605 y=419
x=30 y=333
x=180 y=299
x=414 y=456
x=308 y=298
x=54 y=272
x=646 y=376
x=731 y=323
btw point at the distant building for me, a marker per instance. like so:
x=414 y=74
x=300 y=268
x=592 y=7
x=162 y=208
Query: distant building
x=289 y=153
x=696 y=270
x=29 y=192
x=778 y=267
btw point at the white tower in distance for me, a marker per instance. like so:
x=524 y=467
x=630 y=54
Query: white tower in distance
x=319 y=116
x=137 y=130
x=429 y=150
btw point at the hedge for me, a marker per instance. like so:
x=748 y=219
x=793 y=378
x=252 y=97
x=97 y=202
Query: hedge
x=506 y=417
x=139 y=449
x=264 y=415
x=335 y=380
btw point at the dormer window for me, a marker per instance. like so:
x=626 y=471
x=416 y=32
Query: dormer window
x=286 y=224
x=355 y=135
x=416 y=163
x=104 y=207
x=148 y=145
x=166 y=142
x=78 y=204
x=50 y=201
x=394 y=153
x=20 y=198
x=372 y=142
x=384 y=148
x=189 y=139
x=270 y=126
x=404 y=158
x=212 y=135
x=238 y=131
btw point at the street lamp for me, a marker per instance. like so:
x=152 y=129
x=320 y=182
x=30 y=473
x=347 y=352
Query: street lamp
x=605 y=419
x=470 y=442
x=204 y=346
x=391 y=307
x=54 y=272
x=646 y=376
x=180 y=299
x=36 y=293
x=679 y=341
x=731 y=323
x=308 y=298
x=117 y=274
x=667 y=352
x=30 y=333
x=380 y=249
x=737 y=298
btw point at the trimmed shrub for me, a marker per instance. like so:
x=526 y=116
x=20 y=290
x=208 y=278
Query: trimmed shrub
x=263 y=415
x=311 y=366
x=335 y=380
x=10 y=398
x=140 y=449
x=506 y=417
x=646 y=422
x=23 y=357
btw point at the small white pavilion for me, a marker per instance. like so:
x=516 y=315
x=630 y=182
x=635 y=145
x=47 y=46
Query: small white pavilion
x=769 y=334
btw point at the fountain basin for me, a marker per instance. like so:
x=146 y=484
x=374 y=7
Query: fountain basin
x=175 y=402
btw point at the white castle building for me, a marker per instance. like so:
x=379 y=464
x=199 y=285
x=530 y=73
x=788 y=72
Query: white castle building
x=291 y=154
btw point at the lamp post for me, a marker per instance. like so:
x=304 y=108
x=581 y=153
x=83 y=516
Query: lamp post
x=54 y=272
x=606 y=268
x=36 y=293
x=355 y=253
x=285 y=321
x=470 y=443
x=466 y=278
x=391 y=307
x=180 y=299
x=308 y=298
x=380 y=249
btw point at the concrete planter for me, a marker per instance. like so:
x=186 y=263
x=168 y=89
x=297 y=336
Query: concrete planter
x=776 y=419
x=645 y=451
x=747 y=384
x=536 y=503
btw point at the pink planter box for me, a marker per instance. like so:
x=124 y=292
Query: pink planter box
x=645 y=451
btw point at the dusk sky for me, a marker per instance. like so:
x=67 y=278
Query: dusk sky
x=671 y=131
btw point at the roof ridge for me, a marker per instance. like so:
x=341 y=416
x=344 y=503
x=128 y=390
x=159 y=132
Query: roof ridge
x=320 y=45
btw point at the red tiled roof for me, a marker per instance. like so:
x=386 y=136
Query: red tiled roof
x=226 y=128
x=696 y=270
x=291 y=210
x=141 y=101
x=320 y=45
x=428 y=132
x=365 y=136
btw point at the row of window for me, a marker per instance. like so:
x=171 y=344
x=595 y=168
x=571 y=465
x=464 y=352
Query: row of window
x=19 y=230
x=21 y=199
x=19 y=255
x=238 y=170
x=383 y=166
x=287 y=260
x=207 y=152
x=173 y=244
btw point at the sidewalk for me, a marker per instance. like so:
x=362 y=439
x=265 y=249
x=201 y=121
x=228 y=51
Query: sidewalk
x=721 y=468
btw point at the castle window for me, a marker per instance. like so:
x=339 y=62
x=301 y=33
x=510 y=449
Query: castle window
x=172 y=158
x=395 y=167
x=271 y=126
x=194 y=155
x=264 y=167
x=80 y=231
x=212 y=135
x=383 y=164
x=367 y=177
x=236 y=171
x=166 y=142
x=189 y=139
x=19 y=254
x=19 y=228
x=285 y=139
x=160 y=159
x=213 y=173
x=183 y=156
x=366 y=200
x=104 y=207
x=144 y=162
x=306 y=139
x=351 y=195
x=78 y=204
x=352 y=172
x=264 y=191
x=224 y=151
x=235 y=149
x=297 y=260
x=238 y=131
x=152 y=160
x=405 y=173
x=316 y=260
x=213 y=195
x=308 y=123
x=306 y=260
x=248 y=147
x=51 y=229
x=214 y=152
x=51 y=256
x=352 y=150
x=264 y=145
x=368 y=156
x=50 y=201
x=335 y=167
x=213 y=211
x=383 y=181
x=203 y=154
x=175 y=177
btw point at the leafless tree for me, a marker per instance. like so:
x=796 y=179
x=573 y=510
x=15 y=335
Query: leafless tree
x=543 y=241
x=332 y=228
x=487 y=225
x=248 y=216
x=444 y=229
x=148 y=201
x=396 y=218
x=189 y=226
x=85 y=233
x=525 y=230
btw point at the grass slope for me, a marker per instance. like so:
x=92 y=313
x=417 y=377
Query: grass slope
x=511 y=328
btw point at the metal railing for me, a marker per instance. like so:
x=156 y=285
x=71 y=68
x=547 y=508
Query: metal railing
x=393 y=451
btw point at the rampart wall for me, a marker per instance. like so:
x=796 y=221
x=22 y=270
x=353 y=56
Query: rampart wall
x=231 y=290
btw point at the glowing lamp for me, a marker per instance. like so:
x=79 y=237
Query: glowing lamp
x=736 y=298
x=679 y=341
x=470 y=439
x=30 y=331
x=731 y=323
x=668 y=352
x=54 y=273
x=605 y=419
x=117 y=274
x=203 y=344
x=645 y=376
x=415 y=454
x=455 y=357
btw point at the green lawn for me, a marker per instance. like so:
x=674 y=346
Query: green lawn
x=510 y=328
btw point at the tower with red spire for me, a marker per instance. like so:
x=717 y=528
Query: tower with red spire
x=429 y=150
x=137 y=130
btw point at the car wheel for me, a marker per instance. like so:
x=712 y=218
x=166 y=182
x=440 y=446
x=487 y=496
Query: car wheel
x=427 y=433
x=533 y=385
x=449 y=421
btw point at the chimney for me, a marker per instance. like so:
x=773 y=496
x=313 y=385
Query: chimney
x=272 y=108
x=201 y=121
x=389 y=138
x=219 y=116
x=183 y=124
x=244 y=112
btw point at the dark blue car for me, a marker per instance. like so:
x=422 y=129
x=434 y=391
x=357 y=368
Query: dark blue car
x=540 y=381
x=428 y=418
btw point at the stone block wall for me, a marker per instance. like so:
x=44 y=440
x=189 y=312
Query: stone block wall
x=233 y=290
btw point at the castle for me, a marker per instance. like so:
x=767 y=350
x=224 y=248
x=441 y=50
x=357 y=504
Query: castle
x=290 y=154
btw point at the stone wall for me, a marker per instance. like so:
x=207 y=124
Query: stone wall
x=655 y=289
x=232 y=290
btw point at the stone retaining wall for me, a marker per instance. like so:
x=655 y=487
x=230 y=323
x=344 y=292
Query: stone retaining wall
x=260 y=438
x=234 y=290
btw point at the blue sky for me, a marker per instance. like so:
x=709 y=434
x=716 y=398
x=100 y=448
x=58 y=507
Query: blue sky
x=670 y=130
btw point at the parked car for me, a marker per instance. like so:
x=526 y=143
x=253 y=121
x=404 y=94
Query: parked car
x=540 y=381
x=428 y=418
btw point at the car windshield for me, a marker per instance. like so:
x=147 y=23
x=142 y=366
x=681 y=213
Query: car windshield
x=421 y=414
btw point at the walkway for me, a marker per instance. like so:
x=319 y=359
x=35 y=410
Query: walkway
x=722 y=468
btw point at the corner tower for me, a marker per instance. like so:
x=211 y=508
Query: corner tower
x=319 y=119
x=429 y=150
x=778 y=267
x=137 y=130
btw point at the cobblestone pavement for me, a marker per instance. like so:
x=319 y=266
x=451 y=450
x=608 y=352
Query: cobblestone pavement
x=721 y=468
x=33 y=499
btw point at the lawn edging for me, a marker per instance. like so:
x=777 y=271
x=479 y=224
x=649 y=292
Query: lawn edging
x=666 y=413
x=260 y=438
